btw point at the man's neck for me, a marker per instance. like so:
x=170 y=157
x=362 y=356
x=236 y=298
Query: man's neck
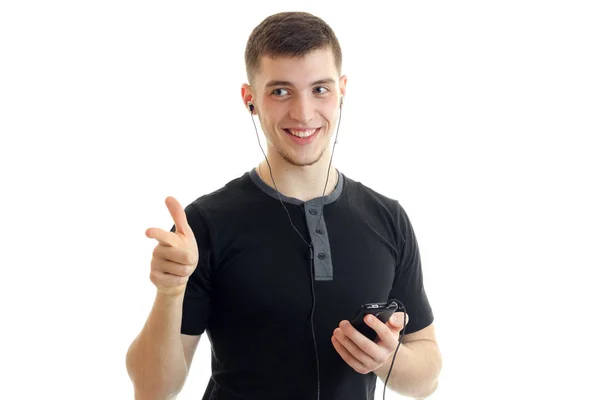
x=303 y=183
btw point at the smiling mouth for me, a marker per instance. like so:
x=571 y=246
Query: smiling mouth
x=302 y=133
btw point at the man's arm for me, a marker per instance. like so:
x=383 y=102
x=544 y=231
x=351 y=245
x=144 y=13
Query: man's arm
x=156 y=361
x=417 y=366
x=159 y=358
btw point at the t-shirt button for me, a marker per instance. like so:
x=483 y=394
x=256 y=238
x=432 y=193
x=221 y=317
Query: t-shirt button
x=320 y=232
x=321 y=256
x=313 y=211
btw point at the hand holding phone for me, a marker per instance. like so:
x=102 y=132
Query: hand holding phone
x=383 y=312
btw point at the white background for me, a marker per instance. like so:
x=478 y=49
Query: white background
x=481 y=118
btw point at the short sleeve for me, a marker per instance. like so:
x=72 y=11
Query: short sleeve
x=408 y=284
x=198 y=292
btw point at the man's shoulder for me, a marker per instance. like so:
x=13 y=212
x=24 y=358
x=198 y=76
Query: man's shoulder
x=364 y=195
x=231 y=195
x=377 y=206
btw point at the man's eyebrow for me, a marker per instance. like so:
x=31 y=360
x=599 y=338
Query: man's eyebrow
x=286 y=83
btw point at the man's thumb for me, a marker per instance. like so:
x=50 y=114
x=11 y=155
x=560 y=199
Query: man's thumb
x=398 y=320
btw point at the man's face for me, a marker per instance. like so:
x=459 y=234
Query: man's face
x=298 y=101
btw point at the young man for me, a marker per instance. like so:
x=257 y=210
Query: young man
x=274 y=264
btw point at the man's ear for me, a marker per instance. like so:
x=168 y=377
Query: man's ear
x=343 y=82
x=247 y=94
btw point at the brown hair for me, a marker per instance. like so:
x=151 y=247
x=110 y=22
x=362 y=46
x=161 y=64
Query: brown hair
x=289 y=34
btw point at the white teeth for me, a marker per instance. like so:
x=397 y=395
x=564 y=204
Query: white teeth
x=302 y=133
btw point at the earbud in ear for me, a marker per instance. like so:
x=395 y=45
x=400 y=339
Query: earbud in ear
x=251 y=107
x=341 y=100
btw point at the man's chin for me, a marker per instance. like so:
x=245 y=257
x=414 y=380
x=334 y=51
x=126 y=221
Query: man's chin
x=302 y=161
x=299 y=160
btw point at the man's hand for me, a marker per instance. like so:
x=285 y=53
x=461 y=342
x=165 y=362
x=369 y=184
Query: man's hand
x=363 y=354
x=176 y=255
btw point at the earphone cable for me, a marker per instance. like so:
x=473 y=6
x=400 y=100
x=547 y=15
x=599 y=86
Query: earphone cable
x=310 y=245
x=311 y=260
x=397 y=347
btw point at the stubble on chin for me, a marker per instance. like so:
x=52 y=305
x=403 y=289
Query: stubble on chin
x=287 y=157
x=290 y=159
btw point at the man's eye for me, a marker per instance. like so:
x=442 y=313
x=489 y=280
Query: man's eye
x=278 y=92
x=325 y=90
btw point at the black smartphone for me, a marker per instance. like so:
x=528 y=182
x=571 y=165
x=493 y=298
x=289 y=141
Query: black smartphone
x=383 y=311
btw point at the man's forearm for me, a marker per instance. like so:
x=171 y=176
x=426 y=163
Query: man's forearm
x=155 y=360
x=416 y=369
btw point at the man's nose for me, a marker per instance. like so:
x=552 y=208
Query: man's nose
x=302 y=109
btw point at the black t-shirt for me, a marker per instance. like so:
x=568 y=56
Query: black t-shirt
x=251 y=290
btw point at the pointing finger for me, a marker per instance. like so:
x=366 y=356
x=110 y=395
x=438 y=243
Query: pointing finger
x=178 y=214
